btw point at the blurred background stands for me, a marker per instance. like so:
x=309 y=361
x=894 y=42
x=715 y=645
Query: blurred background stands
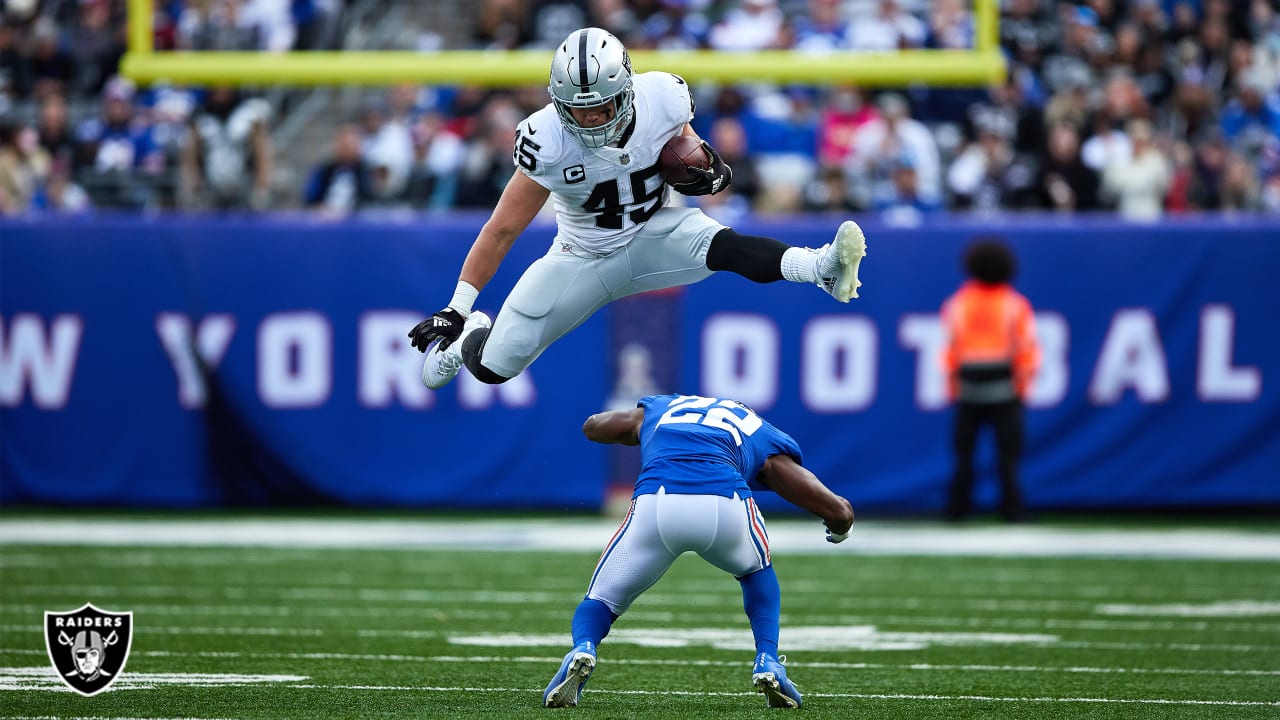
x=1138 y=106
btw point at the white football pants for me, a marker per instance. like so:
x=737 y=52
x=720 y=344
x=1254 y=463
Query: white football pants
x=566 y=286
x=726 y=532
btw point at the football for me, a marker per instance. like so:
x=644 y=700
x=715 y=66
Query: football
x=678 y=155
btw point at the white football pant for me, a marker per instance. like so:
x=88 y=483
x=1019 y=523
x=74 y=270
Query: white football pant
x=566 y=286
x=726 y=532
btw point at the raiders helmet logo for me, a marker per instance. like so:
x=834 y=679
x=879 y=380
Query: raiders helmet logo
x=88 y=647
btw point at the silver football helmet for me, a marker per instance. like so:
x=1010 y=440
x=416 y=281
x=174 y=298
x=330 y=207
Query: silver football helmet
x=591 y=68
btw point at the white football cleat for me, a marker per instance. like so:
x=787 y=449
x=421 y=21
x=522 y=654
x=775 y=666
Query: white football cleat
x=441 y=366
x=838 y=262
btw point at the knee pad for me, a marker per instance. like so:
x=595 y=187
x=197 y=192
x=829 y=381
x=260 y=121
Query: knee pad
x=472 y=348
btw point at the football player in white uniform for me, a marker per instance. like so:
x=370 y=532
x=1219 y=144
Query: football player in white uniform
x=594 y=150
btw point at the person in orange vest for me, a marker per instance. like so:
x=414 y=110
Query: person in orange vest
x=990 y=357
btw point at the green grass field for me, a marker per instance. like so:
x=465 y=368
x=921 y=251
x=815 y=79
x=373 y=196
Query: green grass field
x=279 y=632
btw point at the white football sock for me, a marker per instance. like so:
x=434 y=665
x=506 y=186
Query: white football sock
x=800 y=264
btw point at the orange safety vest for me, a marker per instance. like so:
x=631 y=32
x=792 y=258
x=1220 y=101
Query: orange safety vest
x=991 y=353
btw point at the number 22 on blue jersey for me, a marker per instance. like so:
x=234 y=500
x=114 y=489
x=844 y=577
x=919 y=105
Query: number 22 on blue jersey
x=732 y=417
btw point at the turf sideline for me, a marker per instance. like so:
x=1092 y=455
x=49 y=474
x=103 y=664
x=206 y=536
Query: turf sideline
x=786 y=536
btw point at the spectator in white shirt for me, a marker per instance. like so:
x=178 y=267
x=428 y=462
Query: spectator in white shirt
x=891 y=28
x=753 y=25
x=1137 y=184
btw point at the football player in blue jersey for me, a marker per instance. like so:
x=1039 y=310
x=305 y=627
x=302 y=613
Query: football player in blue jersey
x=593 y=150
x=701 y=458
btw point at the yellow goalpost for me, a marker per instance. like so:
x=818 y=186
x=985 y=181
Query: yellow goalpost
x=983 y=65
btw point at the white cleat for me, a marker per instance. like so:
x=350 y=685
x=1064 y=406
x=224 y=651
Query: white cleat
x=838 y=262
x=441 y=366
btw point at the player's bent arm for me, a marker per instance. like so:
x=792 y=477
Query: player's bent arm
x=619 y=427
x=520 y=202
x=795 y=484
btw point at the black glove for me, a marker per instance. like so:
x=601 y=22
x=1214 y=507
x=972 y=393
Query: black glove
x=707 y=182
x=444 y=326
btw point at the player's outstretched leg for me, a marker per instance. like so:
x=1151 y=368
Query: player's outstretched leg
x=442 y=365
x=838 y=262
x=770 y=677
x=566 y=687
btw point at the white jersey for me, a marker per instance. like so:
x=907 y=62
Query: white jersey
x=604 y=195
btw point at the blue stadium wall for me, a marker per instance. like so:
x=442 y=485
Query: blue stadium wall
x=167 y=362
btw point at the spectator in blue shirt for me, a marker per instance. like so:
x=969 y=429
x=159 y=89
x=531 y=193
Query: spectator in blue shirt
x=1253 y=115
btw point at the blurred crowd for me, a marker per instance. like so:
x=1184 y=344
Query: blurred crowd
x=75 y=136
x=1143 y=107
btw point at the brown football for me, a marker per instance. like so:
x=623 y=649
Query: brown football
x=678 y=155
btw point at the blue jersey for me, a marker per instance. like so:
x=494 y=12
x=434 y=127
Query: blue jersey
x=694 y=445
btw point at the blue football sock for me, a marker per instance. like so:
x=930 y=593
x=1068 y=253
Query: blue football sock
x=591 y=621
x=762 y=599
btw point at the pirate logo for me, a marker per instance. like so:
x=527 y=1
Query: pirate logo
x=88 y=647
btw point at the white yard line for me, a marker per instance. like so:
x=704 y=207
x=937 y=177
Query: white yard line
x=46 y=678
x=856 y=696
x=968 y=624
x=1216 y=615
x=795 y=663
x=687 y=693
x=786 y=536
x=891 y=639
x=175 y=630
x=972 y=580
x=1190 y=623
x=870 y=666
x=42 y=678
x=1186 y=622
x=975 y=595
x=1222 y=608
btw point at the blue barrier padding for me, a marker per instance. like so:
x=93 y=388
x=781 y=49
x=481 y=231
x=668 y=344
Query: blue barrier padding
x=1160 y=389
